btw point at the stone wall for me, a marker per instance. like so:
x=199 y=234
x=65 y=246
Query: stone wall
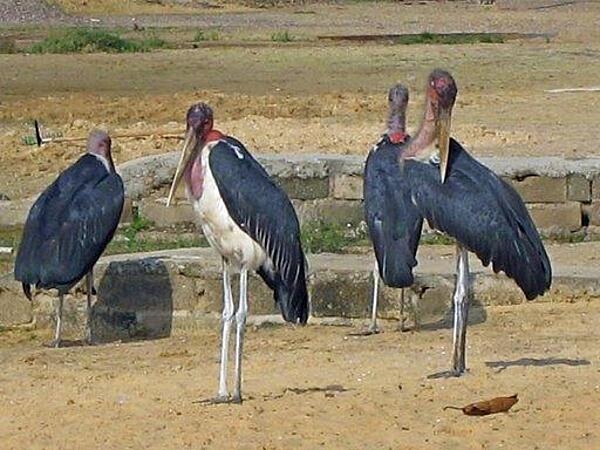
x=562 y=195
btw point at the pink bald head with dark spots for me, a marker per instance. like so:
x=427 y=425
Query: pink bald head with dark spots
x=442 y=88
x=99 y=144
x=200 y=118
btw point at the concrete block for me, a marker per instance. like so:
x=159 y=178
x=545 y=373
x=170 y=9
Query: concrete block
x=345 y=294
x=592 y=212
x=304 y=188
x=579 y=188
x=127 y=213
x=347 y=187
x=536 y=189
x=14 y=213
x=15 y=309
x=567 y=215
x=596 y=188
x=180 y=213
x=343 y=212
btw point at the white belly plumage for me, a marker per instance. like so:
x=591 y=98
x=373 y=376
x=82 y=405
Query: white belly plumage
x=223 y=234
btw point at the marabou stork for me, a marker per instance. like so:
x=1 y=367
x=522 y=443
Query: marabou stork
x=463 y=198
x=249 y=220
x=393 y=222
x=70 y=225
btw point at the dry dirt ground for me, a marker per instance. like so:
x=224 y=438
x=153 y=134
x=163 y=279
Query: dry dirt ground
x=313 y=387
x=310 y=95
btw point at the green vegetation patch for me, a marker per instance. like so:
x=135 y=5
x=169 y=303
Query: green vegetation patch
x=319 y=237
x=282 y=36
x=92 y=40
x=132 y=239
x=206 y=35
x=450 y=38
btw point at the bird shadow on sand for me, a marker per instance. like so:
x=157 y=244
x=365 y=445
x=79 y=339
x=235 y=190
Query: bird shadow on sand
x=477 y=315
x=329 y=391
x=135 y=302
x=536 y=362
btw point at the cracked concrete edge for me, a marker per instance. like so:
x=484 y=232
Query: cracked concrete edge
x=147 y=173
x=175 y=290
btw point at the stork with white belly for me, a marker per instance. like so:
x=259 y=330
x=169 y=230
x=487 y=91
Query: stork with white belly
x=249 y=220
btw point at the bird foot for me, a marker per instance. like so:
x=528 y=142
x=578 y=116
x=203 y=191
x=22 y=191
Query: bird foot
x=453 y=373
x=55 y=343
x=368 y=332
x=220 y=399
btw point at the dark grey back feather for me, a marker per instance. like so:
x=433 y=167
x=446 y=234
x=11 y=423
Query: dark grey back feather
x=263 y=210
x=69 y=226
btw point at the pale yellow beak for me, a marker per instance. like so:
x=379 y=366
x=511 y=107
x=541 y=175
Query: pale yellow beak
x=444 y=122
x=189 y=144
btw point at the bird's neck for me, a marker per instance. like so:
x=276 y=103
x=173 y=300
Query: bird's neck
x=425 y=136
x=396 y=126
x=105 y=159
x=213 y=135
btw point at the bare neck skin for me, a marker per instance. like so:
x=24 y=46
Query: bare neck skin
x=396 y=120
x=425 y=136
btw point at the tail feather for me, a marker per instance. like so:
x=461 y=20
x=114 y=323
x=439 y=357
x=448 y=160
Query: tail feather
x=292 y=299
x=27 y=291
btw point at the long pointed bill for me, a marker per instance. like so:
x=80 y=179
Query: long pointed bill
x=187 y=152
x=444 y=122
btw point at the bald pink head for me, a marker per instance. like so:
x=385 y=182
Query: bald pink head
x=99 y=144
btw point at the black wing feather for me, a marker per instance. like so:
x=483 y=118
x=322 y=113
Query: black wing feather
x=486 y=215
x=393 y=221
x=263 y=210
x=70 y=225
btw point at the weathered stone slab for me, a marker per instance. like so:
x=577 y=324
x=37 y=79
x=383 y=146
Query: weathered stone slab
x=127 y=213
x=304 y=188
x=596 y=188
x=536 y=189
x=579 y=188
x=565 y=215
x=179 y=213
x=140 y=296
x=342 y=212
x=592 y=212
x=347 y=187
x=14 y=213
x=15 y=309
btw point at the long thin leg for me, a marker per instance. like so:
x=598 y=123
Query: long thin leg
x=57 y=331
x=240 y=318
x=373 y=328
x=227 y=318
x=89 y=279
x=461 y=310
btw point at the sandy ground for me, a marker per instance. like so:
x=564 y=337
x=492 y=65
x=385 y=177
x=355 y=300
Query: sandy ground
x=313 y=387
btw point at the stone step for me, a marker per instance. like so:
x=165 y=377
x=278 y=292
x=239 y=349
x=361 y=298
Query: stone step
x=147 y=295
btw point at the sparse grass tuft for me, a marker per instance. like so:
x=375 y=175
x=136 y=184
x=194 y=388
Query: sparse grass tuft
x=7 y=45
x=89 y=40
x=282 y=36
x=131 y=239
x=319 y=237
x=450 y=38
x=202 y=35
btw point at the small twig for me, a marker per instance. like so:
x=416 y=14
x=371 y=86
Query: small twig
x=582 y=89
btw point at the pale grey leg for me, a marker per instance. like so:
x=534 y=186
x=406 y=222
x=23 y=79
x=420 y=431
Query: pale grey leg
x=89 y=278
x=461 y=311
x=402 y=312
x=373 y=328
x=57 y=331
x=240 y=318
x=227 y=318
